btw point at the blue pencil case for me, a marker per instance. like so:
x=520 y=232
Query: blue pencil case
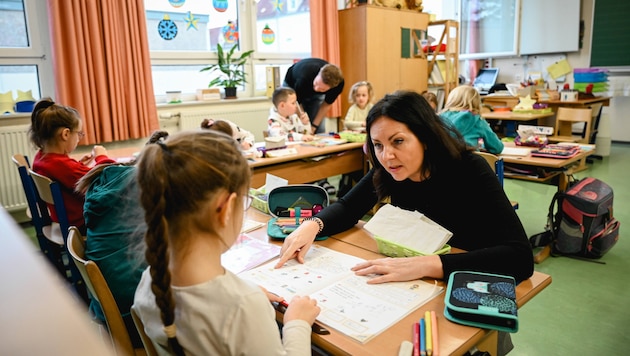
x=292 y=203
x=483 y=300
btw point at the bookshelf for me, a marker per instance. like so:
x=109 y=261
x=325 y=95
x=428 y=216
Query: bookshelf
x=443 y=59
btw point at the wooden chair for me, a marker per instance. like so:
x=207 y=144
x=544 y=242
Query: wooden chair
x=146 y=341
x=48 y=233
x=50 y=192
x=97 y=285
x=496 y=163
x=566 y=118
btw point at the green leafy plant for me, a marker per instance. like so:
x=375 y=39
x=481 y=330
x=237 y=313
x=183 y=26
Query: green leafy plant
x=231 y=68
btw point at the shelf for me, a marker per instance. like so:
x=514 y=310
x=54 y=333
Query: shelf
x=443 y=61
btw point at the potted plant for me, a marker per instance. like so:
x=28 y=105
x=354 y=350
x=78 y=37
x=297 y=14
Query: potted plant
x=231 y=68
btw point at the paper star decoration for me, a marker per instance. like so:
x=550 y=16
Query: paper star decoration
x=191 y=21
x=525 y=103
x=277 y=5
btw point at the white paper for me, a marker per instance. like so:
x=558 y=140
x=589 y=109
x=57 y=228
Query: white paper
x=348 y=304
x=408 y=228
x=272 y=182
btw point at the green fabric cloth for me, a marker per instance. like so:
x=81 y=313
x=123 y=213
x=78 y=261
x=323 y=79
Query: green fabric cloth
x=114 y=219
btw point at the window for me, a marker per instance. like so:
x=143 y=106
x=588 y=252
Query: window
x=183 y=36
x=24 y=68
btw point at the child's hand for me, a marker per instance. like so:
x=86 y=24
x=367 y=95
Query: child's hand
x=307 y=138
x=246 y=145
x=86 y=159
x=304 y=118
x=273 y=297
x=99 y=151
x=302 y=308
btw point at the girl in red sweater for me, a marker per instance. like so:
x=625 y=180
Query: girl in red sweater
x=56 y=131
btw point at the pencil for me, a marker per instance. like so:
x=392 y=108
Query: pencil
x=429 y=333
x=434 y=326
x=423 y=340
x=416 y=339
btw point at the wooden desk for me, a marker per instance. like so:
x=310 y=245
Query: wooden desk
x=582 y=103
x=514 y=116
x=562 y=167
x=454 y=339
x=305 y=167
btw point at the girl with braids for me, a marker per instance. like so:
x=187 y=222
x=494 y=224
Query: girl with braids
x=56 y=131
x=194 y=190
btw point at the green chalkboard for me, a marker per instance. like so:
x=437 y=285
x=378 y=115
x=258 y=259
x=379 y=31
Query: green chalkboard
x=611 y=34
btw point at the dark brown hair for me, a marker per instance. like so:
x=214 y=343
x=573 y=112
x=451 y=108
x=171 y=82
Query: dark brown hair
x=280 y=95
x=177 y=178
x=47 y=118
x=218 y=125
x=331 y=75
x=442 y=143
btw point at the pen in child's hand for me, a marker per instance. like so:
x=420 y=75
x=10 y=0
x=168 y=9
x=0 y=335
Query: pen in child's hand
x=317 y=329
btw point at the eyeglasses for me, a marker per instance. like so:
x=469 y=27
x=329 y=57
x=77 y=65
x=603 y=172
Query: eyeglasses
x=247 y=201
x=81 y=134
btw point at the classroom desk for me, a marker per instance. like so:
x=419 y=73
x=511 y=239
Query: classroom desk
x=308 y=165
x=582 y=103
x=512 y=118
x=454 y=339
x=561 y=168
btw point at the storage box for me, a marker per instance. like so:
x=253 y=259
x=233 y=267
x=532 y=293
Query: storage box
x=294 y=196
x=274 y=142
x=569 y=95
x=392 y=249
x=208 y=94
x=259 y=199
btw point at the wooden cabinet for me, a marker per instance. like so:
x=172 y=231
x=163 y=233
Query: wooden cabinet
x=371 y=44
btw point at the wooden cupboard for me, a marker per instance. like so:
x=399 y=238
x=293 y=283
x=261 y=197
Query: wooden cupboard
x=371 y=45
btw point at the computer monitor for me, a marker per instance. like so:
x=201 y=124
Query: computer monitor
x=486 y=79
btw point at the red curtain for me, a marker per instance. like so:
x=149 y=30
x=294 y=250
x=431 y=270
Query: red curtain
x=325 y=38
x=102 y=67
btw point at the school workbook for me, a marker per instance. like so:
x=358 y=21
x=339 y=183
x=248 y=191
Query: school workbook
x=348 y=304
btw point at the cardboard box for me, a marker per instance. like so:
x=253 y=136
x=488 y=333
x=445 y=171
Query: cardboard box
x=569 y=95
x=208 y=94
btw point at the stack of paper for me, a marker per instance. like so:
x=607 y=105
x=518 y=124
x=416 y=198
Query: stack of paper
x=408 y=228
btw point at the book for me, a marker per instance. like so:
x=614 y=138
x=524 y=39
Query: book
x=348 y=304
x=407 y=228
x=248 y=252
x=251 y=225
x=483 y=300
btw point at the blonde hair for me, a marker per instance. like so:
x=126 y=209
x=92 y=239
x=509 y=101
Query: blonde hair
x=463 y=98
x=356 y=87
x=331 y=75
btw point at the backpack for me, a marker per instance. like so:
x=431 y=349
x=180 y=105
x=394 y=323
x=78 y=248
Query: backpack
x=583 y=225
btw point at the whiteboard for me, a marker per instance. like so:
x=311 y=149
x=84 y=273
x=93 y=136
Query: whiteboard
x=549 y=26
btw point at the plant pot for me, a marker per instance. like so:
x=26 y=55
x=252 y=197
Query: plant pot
x=230 y=93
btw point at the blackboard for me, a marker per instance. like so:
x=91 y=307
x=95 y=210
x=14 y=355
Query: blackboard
x=611 y=34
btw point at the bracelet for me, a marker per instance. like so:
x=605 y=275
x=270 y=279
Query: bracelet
x=315 y=126
x=319 y=222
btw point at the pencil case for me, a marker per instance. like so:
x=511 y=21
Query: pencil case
x=289 y=205
x=482 y=300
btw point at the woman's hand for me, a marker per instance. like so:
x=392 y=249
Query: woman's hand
x=296 y=245
x=302 y=308
x=400 y=269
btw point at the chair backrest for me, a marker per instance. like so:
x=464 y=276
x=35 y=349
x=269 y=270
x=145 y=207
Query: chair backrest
x=495 y=162
x=146 y=341
x=50 y=192
x=566 y=117
x=99 y=290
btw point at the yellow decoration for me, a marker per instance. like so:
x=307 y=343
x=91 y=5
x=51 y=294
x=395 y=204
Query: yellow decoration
x=525 y=103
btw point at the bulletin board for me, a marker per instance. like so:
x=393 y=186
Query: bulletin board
x=611 y=34
x=540 y=63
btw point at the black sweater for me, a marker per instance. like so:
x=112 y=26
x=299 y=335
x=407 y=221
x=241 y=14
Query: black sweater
x=466 y=198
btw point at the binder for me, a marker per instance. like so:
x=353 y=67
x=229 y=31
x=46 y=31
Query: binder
x=273 y=79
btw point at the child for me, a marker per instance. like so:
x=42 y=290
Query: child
x=360 y=97
x=431 y=98
x=194 y=190
x=244 y=137
x=56 y=130
x=462 y=110
x=283 y=117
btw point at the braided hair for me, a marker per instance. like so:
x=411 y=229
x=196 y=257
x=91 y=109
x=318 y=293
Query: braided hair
x=177 y=177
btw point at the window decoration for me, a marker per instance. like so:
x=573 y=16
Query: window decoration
x=268 y=36
x=167 y=28
x=191 y=21
x=220 y=5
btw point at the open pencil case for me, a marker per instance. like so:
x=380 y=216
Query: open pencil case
x=290 y=205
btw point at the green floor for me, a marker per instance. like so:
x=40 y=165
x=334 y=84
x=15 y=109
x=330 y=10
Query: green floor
x=584 y=310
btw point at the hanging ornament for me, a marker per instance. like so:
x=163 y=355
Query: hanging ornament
x=176 y=3
x=230 y=32
x=167 y=28
x=277 y=5
x=268 y=36
x=191 y=21
x=220 y=5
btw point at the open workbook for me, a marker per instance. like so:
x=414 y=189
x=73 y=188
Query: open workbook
x=348 y=304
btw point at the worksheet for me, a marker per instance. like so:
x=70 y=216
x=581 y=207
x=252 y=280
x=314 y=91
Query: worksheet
x=348 y=304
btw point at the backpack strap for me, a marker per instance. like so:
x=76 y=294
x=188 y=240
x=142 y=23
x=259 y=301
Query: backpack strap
x=549 y=235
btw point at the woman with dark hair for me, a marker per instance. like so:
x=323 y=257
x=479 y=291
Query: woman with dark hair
x=423 y=164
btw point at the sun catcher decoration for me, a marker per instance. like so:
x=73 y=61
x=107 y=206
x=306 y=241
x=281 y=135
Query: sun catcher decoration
x=220 y=5
x=268 y=36
x=230 y=32
x=167 y=28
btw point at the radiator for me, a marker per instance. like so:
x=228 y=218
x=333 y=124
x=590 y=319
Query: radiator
x=252 y=119
x=13 y=139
